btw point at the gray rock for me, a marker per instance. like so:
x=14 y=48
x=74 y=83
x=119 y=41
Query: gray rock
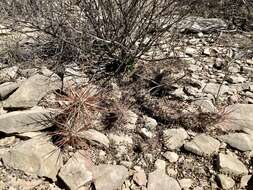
x=203 y=145
x=140 y=177
x=236 y=79
x=31 y=92
x=130 y=119
x=245 y=180
x=25 y=121
x=205 y=106
x=35 y=156
x=120 y=139
x=230 y=164
x=191 y=51
x=174 y=138
x=8 y=74
x=225 y=181
x=77 y=171
x=7 y=88
x=238 y=117
x=240 y=141
x=213 y=88
x=171 y=156
x=199 y=24
x=160 y=180
x=150 y=123
x=7 y=141
x=146 y=133
x=109 y=177
x=95 y=137
x=185 y=183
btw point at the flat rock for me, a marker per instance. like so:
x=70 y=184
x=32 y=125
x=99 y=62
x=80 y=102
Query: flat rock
x=205 y=106
x=25 y=121
x=203 y=145
x=185 y=183
x=160 y=180
x=230 y=164
x=77 y=171
x=200 y=24
x=240 y=141
x=120 y=139
x=8 y=74
x=140 y=177
x=236 y=79
x=174 y=138
x=7 y=88
x=31 y=92
x=150 y=123
x=171 y=156
x=109 y=177
x=238 y=117
x=34 y=156
x=225 y=181
x=213 y=88
x=130 y=119
x=95 y=137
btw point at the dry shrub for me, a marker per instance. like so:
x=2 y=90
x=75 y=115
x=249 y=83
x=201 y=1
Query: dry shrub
x=114 y=33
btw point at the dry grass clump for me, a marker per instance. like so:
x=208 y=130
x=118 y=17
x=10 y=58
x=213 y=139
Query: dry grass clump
x=77 y=110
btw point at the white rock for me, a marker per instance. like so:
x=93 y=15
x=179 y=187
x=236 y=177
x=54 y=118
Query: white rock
x=25 y=121
x=140 y=177
x=203 y=145
x=245 y=180
x=77 y=171
x=174 y=138
x=185 y=183
x=31 y=92
x=240 y=141
x=120 y=139
x=160 y=180
x=95 y=137
x=225 y=182
x=109 y=177
x=35 y=156
x=150 y=123
x=171 y=156
x=232 y=165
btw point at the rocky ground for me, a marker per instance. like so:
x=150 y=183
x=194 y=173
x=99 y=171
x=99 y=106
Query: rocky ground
x=187 y=123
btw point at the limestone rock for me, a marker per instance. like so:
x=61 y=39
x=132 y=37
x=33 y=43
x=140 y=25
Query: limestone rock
x=213 y=88
x=160 y=180
x=25 y=121
x=130 y=119
x=238 y=117
x=7 y=88
x=171 y=156
x=174 y=138
x=77 y=171
x=240 y=141
x=140 y=177
x=95 y=137
x=225 y=182
x=109 y=177
x=232 y=165
x=120 y=139
x=150 y=123
x=35 y=156
x=31 y=92
x=185 y=183
x=203 y=145
x=200 y=24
